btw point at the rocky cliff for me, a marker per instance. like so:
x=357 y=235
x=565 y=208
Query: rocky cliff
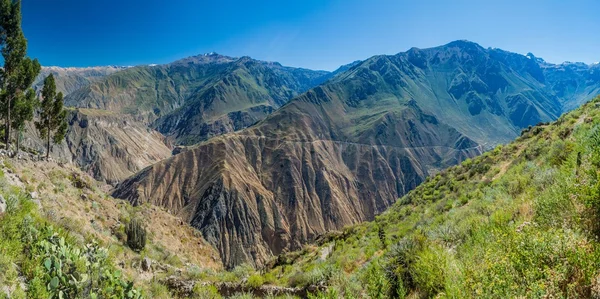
x=108 y=146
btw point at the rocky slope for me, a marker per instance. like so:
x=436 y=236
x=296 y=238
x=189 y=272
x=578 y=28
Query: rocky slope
x=70 y=79
x=108 y=146
x=345 y=151
x=198 y=97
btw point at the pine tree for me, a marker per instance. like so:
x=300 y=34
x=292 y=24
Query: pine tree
x=18 y=72
x=52 y=124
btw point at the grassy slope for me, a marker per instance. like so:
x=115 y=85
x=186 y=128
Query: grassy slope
x=520 y=220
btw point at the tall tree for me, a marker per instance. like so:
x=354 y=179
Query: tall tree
x=24 y=110
x=52 y=123
x=19 y=71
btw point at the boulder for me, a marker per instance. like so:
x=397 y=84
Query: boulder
x=146 y=264
x=2 y=205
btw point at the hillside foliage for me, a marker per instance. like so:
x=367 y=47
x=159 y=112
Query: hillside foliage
x=40 y=259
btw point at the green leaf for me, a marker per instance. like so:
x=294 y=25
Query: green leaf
x=54 y=283
x=48 y=264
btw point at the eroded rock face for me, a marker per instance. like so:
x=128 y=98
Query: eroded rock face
x=107 y=145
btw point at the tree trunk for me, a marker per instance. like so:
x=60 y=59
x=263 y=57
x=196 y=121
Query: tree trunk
x=48 y=147
x=17 y=140
x=7 y=129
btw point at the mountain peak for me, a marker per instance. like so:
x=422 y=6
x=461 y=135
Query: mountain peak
x=463 y=43
x=211 y=57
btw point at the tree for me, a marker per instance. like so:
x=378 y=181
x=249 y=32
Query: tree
x=52 y=123
x=19 y=71
x=24 y=110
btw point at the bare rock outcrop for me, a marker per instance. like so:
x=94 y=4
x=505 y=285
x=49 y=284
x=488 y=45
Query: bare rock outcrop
x=107 y=145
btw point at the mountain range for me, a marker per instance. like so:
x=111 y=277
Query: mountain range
x=276 y=156
x=198 y=97
x=344 y=151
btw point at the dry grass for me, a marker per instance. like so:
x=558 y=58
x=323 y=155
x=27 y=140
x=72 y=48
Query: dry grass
x=91 y=212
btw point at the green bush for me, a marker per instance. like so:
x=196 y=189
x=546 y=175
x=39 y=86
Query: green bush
x=255 y=281
x=559 y=152
x=374 y=281
x=205 y=292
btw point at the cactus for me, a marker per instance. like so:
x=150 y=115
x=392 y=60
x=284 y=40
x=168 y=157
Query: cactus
x=136 y=235
x=381 y=234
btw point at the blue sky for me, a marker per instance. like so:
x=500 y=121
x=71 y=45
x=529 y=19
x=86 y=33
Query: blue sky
x=317 y=34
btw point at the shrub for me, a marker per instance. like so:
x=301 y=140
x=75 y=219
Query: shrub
x=374 y=280
x=559 y=152
x=79 y=181
x=205 y=292
x=428 y=270
x=255 y=281
x=136 y=235
x=397 y=265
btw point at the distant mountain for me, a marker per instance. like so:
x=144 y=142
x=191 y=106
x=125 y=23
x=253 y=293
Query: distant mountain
x=573 y=83
x=70 y=79
x=198 y=97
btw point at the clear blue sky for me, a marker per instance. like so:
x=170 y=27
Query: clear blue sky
x=317 y=34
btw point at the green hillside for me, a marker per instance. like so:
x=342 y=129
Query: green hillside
x=198 y=97
x=518 y=221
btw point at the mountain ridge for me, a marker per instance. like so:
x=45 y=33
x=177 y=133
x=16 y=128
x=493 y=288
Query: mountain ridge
x=213 y=84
